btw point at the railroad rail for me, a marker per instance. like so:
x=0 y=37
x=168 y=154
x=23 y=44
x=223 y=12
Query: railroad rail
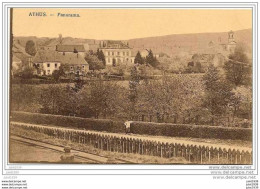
x=93 y=158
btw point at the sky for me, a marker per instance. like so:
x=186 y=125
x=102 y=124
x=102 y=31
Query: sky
x=123 y=24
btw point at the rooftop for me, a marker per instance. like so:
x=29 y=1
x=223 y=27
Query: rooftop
x=70 y=48
x=114 y=45
x=53 y=56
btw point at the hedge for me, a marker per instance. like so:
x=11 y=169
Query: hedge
x=67 y=121
x=143 y=128
x=195 y=131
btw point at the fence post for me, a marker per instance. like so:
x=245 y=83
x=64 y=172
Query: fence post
x=243 y=157
x=234 y=157
x=211 y=155
x=248 y=158
x=220 y=155
x=158 y=153
x=131 y=145
x=183 y=150
x=229 y=156
x=200 y=154
x=162 y=150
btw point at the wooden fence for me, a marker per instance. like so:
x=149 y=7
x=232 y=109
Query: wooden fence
x=192 y=153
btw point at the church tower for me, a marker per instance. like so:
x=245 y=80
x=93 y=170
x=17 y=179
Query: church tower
x=231 y=42
x=231 y=37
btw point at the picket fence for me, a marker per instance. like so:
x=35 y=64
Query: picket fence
x=192 y=153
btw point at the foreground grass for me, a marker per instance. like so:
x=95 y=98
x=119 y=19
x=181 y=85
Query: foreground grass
x=112 y=156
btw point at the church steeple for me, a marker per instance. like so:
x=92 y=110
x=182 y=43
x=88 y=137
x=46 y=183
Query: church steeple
x=231 y=42
x=231 y=36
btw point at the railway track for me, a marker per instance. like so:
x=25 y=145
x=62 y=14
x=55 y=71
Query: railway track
x=92 y=158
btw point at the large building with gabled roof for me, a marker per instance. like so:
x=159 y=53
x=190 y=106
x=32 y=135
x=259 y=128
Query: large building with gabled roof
x=47 y=62
x=116 y=52
x=71 y=49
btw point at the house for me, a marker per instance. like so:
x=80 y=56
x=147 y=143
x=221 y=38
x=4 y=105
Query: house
x=71 y=49
x=116 y=52
x=46 y=62
x=74 y=64
x=144 y=53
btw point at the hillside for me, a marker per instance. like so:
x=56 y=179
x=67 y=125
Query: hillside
x=189 y=43
x=170 y=44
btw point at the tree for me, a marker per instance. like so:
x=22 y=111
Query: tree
x=26 y=72
x=58 y=73
x=50 y=98
x=94 y=62
x=30 y=48
x=218 y=92
x=101 y=56
x=160 y=98
x=23 y=97
x=138 y=59
x=151 y=60
x=78 y=84
x=133 y=83
x=102 y=98
x=237 y=68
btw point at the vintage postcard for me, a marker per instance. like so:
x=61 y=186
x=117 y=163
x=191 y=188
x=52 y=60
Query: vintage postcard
x=111 y=89
x=131 y=86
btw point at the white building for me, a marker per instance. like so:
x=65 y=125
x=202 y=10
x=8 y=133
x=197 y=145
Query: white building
x=116 y=52
x=46 y=62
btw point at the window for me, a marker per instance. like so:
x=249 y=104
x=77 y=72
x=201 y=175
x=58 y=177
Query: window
x=83 y=67
x=123 y=53
x=108 y=53
x=56 y=65
x=71 y=67
x=108 y=59
x=48 y=65
x=127 y=53
x=118 y=53
x=112 y=53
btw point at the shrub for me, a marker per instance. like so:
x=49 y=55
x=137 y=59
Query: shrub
x=66 y=121
x=195 y=131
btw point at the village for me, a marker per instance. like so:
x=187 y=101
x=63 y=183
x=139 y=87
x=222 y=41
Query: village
x=135 y=93
x=72 y=59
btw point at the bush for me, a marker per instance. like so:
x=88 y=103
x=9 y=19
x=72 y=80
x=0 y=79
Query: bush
x=66 y=121
x=195 y=131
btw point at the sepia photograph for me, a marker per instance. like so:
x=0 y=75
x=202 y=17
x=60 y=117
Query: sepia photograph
x=131 y=86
